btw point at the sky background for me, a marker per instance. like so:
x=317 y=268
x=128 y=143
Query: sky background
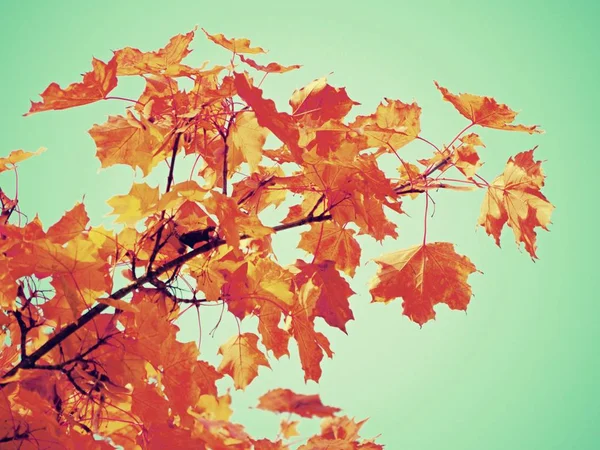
x=520 y=370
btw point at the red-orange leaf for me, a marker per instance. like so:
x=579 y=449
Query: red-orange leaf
x=131 y=61
x=281 y=124
x=285 y=401
x=70 y=225
x=423 y=276
x=485 y=111
x=318 y=102
x=95 y=86
x=514 y=198
x=392 y=126
x=340 y=433
x=312 y=345
x=333 y=292
x=329 y=241
x=466 y=159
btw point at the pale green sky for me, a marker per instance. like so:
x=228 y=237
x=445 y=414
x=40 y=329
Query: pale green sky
x=520 y=370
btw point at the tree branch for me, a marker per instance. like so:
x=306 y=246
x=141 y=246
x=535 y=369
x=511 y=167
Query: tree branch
x=96 y=310
x=157 y=245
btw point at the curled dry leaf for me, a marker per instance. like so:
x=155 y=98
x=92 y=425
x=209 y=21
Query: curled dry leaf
x=287 y=401
x=16 y=156
x=486 y=111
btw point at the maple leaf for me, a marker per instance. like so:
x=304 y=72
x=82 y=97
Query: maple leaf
x=182 y=195
x=312 y=345
x=234 y=222
x=340 y=433
x=245 y=140
x=356 y=191
x=166 y=61
x=16 y=156
x=289 y=428
x=485 y=111
x=319 y=102
x=333 y=292
x=260 y=190
x=255 y=283
x=140 y=202
x=281 y=124
x=273 y=337
x=392 y=126
x=214 y=407
x=150 y=405
x=329 y=241
x=70 y=225
x=236 y=45
x=241 y=359
x=514 y=198
x=286 y=401
x=95 y=86
x=266 y=444
x=130 y=141
x=465 y=157
x=423 y=275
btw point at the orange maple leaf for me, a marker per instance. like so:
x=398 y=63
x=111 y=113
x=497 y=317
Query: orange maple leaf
x=166 y=61
x=70 y=225
x=423 y=276
x=514 y=198
x=130 y=141
x=281 y=124
x=140 y=202
x=16 y=156
x=289 y=428
x=392 y=126
x=485 y=111
x=318 y=102
x=245 y=140
x=286 y=401
x=312 y=344
x=329 y=241
x=95 y=86
x=331 y=300
x=241 y=359
x=340 y=433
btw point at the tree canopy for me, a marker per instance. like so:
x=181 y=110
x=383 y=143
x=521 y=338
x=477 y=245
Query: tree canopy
x=90 y=355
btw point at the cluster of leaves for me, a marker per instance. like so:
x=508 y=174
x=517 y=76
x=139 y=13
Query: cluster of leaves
x=87 y=364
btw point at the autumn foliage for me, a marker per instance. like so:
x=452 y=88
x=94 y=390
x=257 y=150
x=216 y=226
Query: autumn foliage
x=90 y=356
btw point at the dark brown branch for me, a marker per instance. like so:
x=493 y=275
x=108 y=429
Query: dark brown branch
x=157 y=244
x=18 y=436
x=253 y=191
x=23 y=329
x=314 y=208
x=96 y=310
